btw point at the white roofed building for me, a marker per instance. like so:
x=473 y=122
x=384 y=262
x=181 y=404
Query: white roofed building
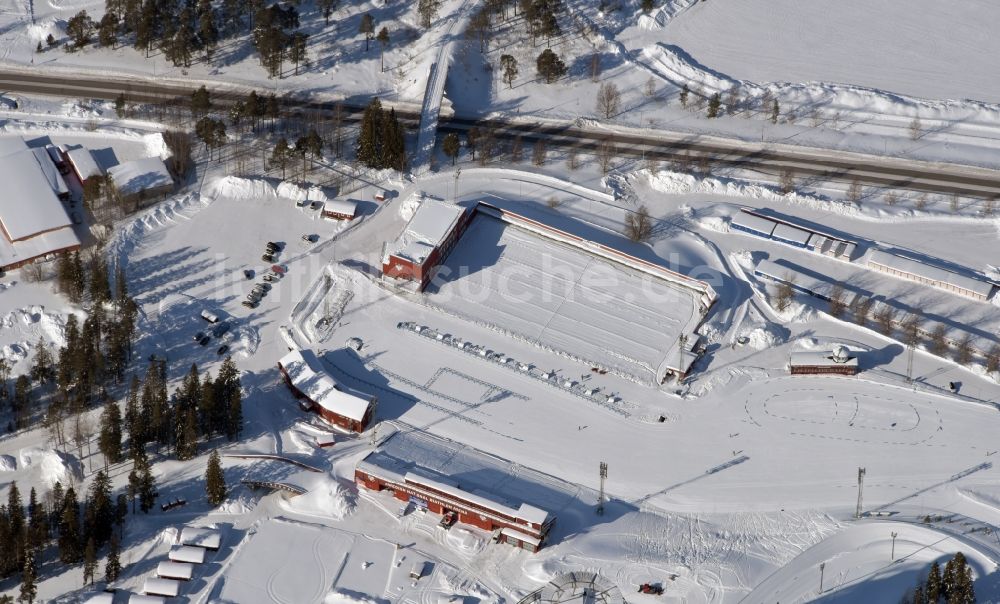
x=201 y=537
x=340 y=209
x=33 y=221
x=155 y=586
x=430 y=234
x=142 y=179
x=913 y=270
x=83 y=163
x=304 y=374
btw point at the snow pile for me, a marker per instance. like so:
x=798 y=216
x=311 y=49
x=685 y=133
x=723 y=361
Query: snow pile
x=409 y=206
x=761 y=338
x=464 y=540
x=327 y=499
x=156 y=217
x=248 y=339
x=343 y=596
x=7 y=463
x=156 y=146
x=233 y=187
x=53 y=466
x=292 y=191
x=33 y=322
x=240 y=503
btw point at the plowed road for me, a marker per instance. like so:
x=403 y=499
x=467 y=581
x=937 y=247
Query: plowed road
x=809 y=164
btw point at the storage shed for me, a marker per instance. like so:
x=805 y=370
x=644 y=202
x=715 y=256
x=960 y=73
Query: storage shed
x=753 y=224
x=83 y=163
x=839 y=361
x=155 y=586
x=914 y=270
x=142 y=180
x=790 y=235
x=340 y=209
x=187 y=553
x=182 y=571
x=145 y=599
x=201 y=537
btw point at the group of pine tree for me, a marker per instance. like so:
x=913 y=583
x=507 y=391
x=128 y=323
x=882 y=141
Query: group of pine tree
x=59 y=391
x=182 y=28
x=381 y=141
x=951 y=586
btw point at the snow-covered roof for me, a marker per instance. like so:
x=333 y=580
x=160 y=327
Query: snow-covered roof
x=144 y=599
x=175 y=570
x=51 y=172
x=187 y=553
x=201 y=537
x=790 y=234
x=932 y=273
x=524 y=512
x=28 y=205
x=340 y=206
x=754 y=223
x=306 y=373
x=824 y=358
x=83 y=162
x=140 y=175
x=428 y=227
x=161 y=587
x=515 y=534
x=34 y=247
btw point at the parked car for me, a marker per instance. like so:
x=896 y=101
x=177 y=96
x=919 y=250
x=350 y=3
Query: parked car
x=263 y=286
x=249 y=274
x=273 y=244
x=302 y=202
x=267 y=258
x=310 y=238
x=222 y=350
x=269 y=278
x=204 y=340
x=317 y=205
x=249 y=304
x=199 y=336
x=209 y=316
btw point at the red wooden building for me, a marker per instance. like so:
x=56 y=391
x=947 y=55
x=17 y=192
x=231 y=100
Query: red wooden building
x=343 y=407
x=837 y=362
x=340 y=209
x=525 y=526
x=428 y=237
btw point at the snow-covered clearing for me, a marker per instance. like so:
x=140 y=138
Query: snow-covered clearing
x=887 y=45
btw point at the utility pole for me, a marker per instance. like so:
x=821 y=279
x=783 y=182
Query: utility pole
x=374 y=434
x=892 y=556
x=600 y=495
x=681 y=343
x=861 y=488
x=822 y=567
x=909 y=365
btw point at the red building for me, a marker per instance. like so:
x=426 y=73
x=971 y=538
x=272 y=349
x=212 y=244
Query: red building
x=837 y=362
x=428 y=237
x=525 y=526
x=305 y=377
x=340 y=209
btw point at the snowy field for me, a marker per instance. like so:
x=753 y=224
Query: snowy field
x=553 y=294
x=736 y=484
x=883 y=45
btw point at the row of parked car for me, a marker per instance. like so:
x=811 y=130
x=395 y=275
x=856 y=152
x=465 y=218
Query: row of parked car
x=271 y=249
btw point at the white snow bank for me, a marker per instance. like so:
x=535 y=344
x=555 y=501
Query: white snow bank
x=327 y=499
x=7 y=463
x=464 y=540
x=349 y=597
x=53 y=466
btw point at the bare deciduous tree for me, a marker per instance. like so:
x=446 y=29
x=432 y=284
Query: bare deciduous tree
x=916 y=128
x=964 y=351
x=993 y=360
x=639 y=225
x=890 y=198
x=885 y=318
x=609 y=99
x=650 y=87
x=606 y=153
x=854 y=192
x=921 y=201
x=939 y=340
x=595 y=66
x=910 y=329
x=837 y=305
x=860 y=309
x=572 y=159
x=787 y=182
x=784 y=293
x=539 y=152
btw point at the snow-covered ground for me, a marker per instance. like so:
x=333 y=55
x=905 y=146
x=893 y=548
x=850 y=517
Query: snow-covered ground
x=736 y=484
